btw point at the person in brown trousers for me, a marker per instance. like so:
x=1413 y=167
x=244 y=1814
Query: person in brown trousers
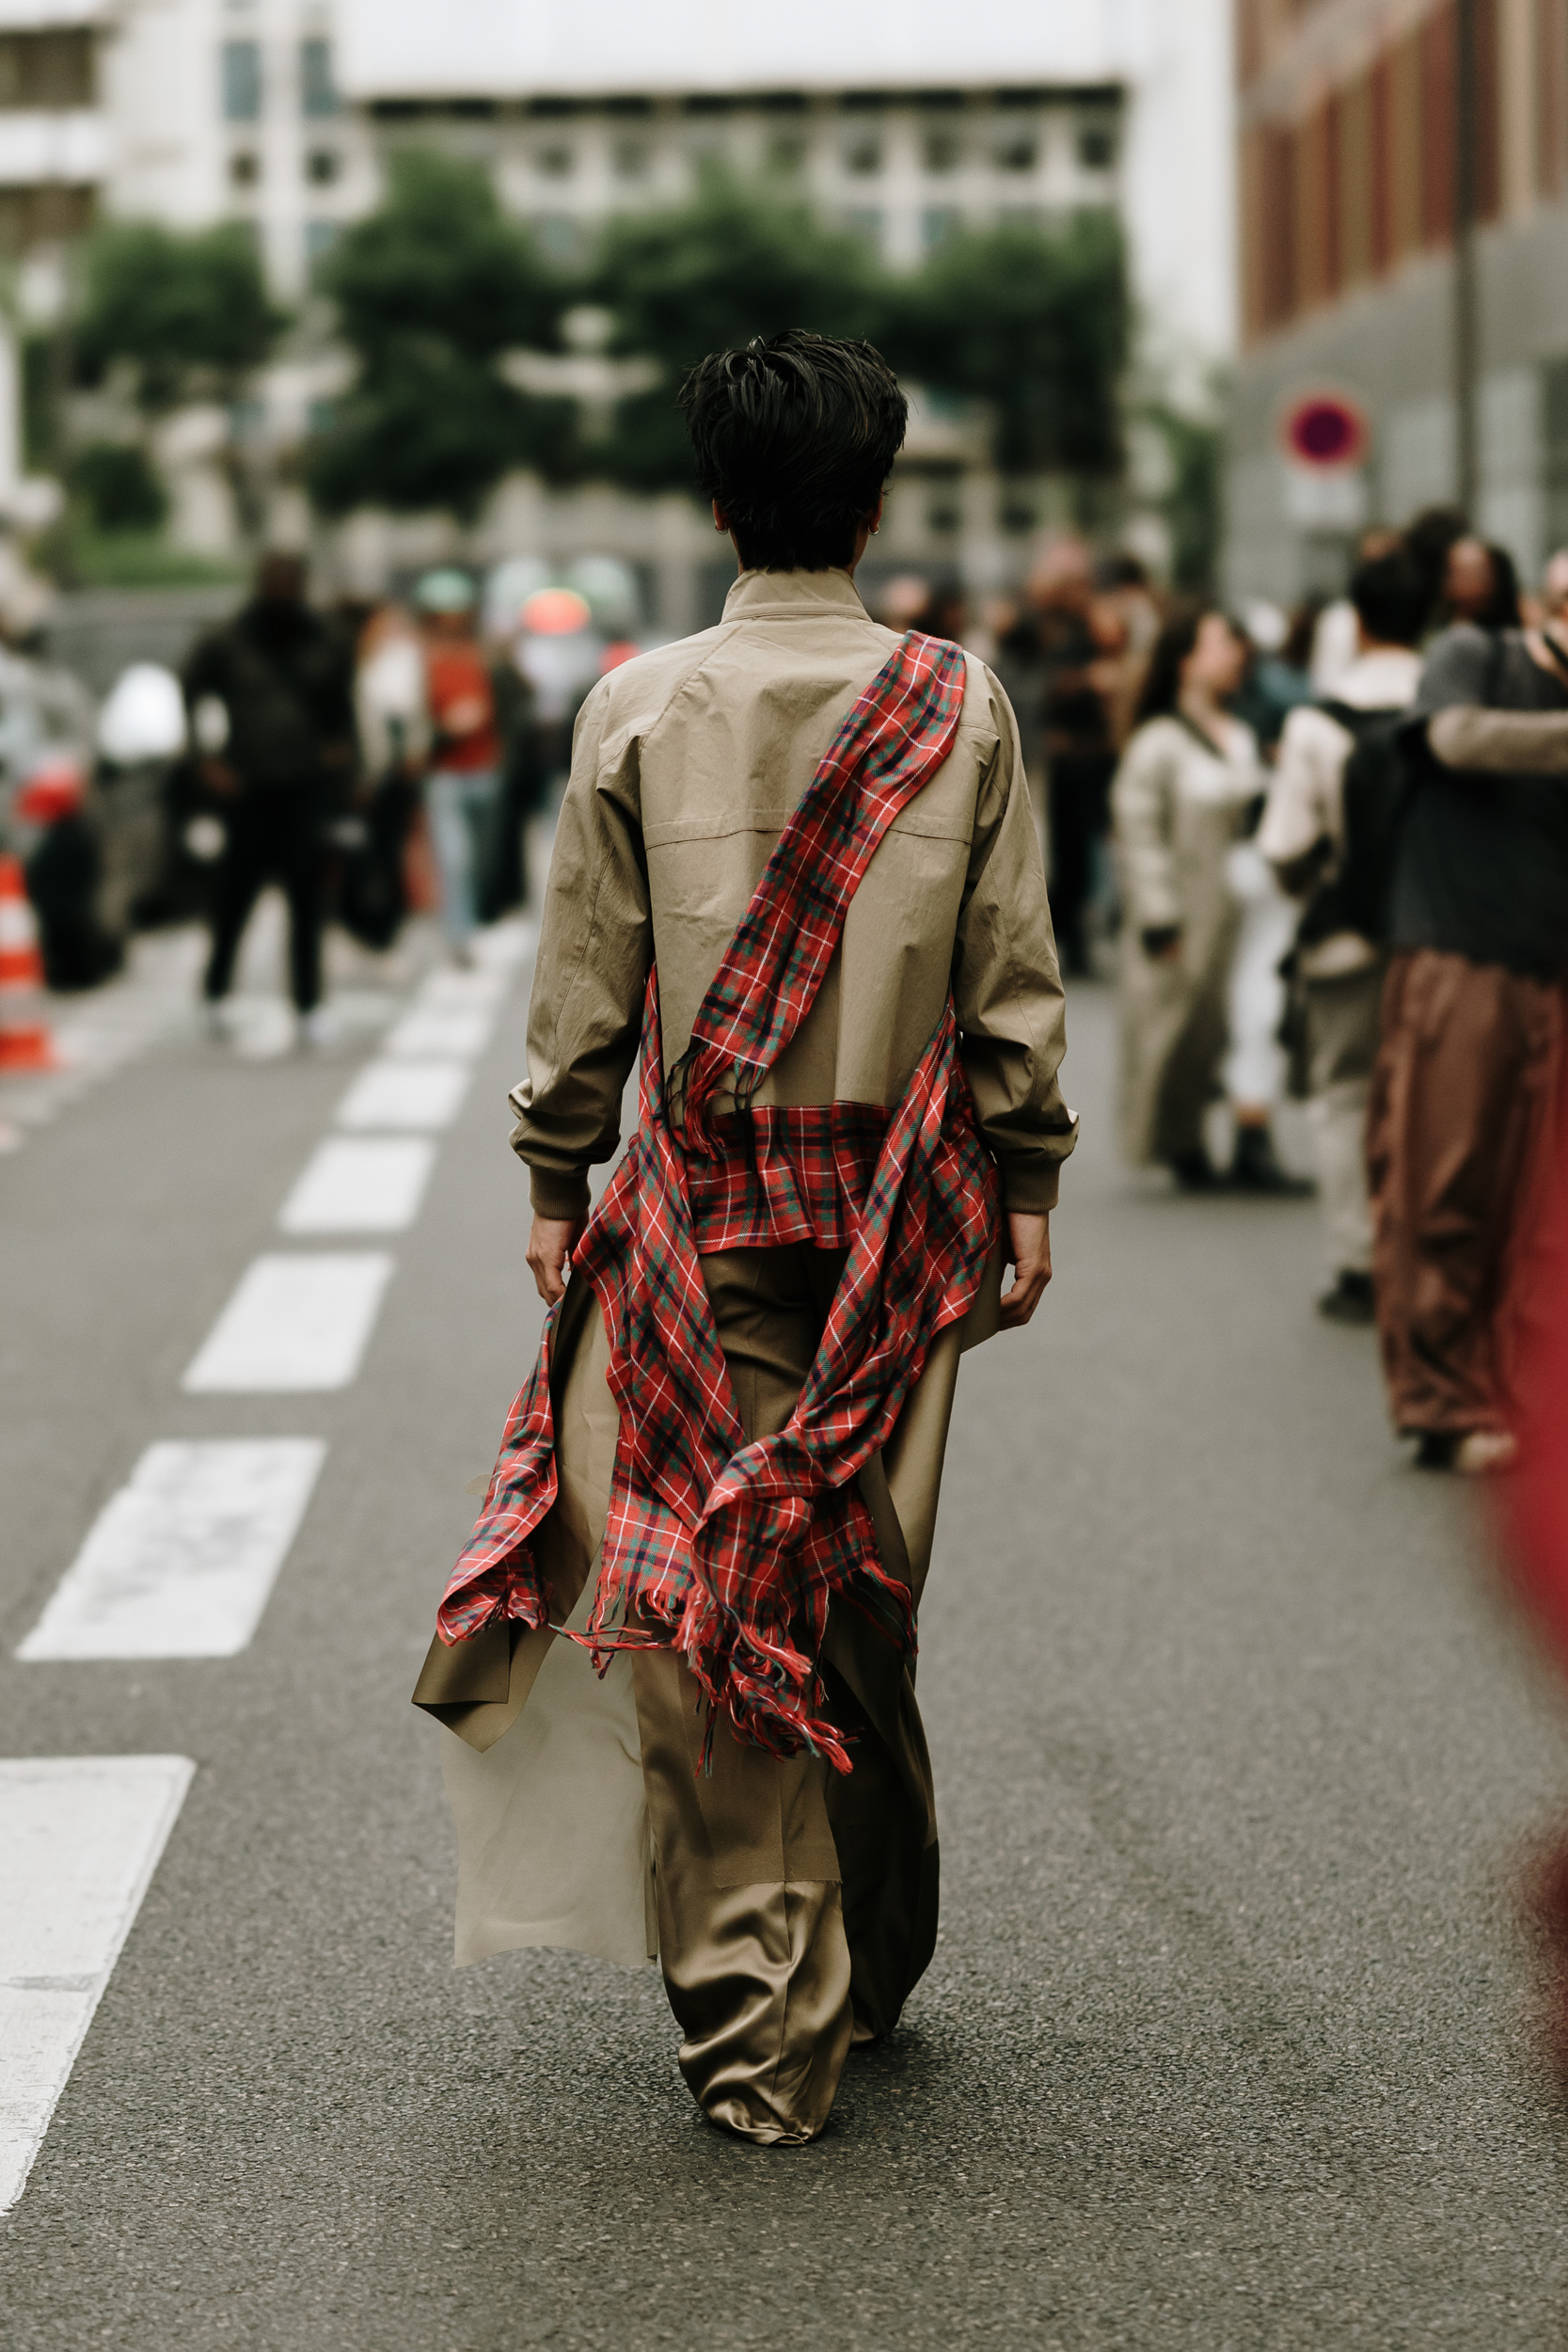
x=1466 y=1115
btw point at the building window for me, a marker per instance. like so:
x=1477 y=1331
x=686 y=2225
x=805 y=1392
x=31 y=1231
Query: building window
x=863 y=156
x=554 y=162
x=244 y=168
x=942 y=151
x=1096 y=147
x=318 y=91
x=322 y=167
x=242 y=81
x=864 y=220
x=48 y=68
x=629 y=159
x=1017 y=154
x=786 y=156
x=938 y=222
x=320 y=238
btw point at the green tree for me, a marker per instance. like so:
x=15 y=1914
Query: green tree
x=734 y=262
x=1192 y=499
x=1035 y=325
x=189 y=311
x=430 y=291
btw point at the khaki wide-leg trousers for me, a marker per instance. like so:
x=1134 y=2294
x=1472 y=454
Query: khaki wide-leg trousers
x=795 y=1906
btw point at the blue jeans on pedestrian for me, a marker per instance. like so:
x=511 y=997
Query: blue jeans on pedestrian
x=462 y=806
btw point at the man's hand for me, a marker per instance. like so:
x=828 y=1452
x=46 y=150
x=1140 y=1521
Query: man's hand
x=550 y=1253
x=1028 y=1252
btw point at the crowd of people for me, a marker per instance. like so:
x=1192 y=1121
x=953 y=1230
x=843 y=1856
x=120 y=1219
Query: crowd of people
x=1338 y=866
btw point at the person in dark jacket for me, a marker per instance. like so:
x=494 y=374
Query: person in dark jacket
x=271 y=703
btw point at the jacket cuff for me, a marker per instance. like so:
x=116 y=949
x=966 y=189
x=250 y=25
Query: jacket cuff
x=1030 y=1189
x=557 y=1193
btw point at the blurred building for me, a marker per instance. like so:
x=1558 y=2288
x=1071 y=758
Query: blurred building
x=1361 y=145
x=1010 y=109
x=230 y=109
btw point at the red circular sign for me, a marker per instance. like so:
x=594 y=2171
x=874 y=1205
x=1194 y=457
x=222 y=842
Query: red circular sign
x=1325 y=429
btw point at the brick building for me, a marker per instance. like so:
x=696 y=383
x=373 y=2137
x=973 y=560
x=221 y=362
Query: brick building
x=1381 y=142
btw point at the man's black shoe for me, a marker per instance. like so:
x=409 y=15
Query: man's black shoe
x=1256 y=1167
x=1194 y=1172
x=1436 y=1450
x=1349 y=1300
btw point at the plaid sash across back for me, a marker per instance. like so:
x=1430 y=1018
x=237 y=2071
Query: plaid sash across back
x=727 y=1550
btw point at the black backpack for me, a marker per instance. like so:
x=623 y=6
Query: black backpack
x=1374 y=790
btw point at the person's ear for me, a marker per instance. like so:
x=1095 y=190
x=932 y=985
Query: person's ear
x=721 y=520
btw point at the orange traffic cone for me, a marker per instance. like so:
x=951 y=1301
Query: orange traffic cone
x=25 y=1043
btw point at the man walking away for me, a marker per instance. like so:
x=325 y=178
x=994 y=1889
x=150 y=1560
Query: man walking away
x=460 y=791
x=1465 y=1101
x=1327 y=831
x=271 y=703
x=796 y=858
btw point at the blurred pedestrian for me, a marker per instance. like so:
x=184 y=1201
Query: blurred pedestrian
x=1080 y=759
x=1466 y=1092
x=462 y=784
x=1327 y=831
x=394 y=738
x=1334 y=639
x=759 y=1735
x=1480 y=585
x=1179 y=800
x=271 y=703
x=1427 y=539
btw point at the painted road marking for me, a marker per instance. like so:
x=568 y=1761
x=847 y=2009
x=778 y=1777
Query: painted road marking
x=451 y=990
x=80 y=1839
x=417 y=1094
x=431 y=1032
x=293 y=1325
x=181 y=1562
x=360 y=1184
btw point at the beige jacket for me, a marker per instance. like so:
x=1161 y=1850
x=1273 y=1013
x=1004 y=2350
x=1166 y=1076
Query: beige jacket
x=685 y=765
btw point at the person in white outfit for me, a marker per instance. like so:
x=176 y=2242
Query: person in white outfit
x=1178 y=802
x=1327 y=827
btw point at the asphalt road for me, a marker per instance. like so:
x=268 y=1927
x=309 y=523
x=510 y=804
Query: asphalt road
x=1229 y=2037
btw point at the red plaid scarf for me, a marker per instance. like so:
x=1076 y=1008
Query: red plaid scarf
x=732 y=1550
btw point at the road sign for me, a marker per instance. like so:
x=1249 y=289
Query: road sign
x=1325 y=430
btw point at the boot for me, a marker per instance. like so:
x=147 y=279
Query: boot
x=1256 y=1167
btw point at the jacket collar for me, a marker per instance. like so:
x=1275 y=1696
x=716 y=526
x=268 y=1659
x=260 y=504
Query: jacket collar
x=800 y=595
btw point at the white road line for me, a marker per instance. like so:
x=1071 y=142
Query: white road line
x=181 y=1562
x=448 y=990
x=436 y=1031
x=294 y=1324
x=360 y=1184
x=80 y=1839
x=417 y=1094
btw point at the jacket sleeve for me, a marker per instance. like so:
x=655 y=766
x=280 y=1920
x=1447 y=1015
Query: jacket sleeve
x=595 y=945
x=1516 y=742
x=1006 y=988
x=1141 y=806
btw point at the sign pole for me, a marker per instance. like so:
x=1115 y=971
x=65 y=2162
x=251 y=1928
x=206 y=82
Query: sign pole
x=1466 y=314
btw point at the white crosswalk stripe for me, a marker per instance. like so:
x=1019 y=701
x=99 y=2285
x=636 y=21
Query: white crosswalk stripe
x=360 y=1184
x=433 y=1032
x=80 y=1839
x=180 y=1562
x=421 y=1095
x=294 y=1325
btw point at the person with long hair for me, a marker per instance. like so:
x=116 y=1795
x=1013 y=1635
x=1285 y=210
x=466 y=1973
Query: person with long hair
x=1185 y=781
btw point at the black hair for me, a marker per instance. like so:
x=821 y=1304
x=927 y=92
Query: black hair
x=1162 y=688
x=795 y=437
x=1391 y=599
x=1502 y=611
